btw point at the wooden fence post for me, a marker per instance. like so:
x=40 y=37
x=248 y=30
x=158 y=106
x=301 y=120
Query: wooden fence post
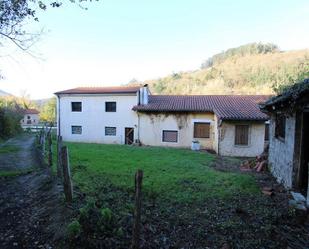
x=67 y=183
x=59 y=145
x=137 y=210
x=307 y=202
x=50 y=153
x=43 y=143
x=40 y=138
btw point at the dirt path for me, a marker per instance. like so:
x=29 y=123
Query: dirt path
x=30 y=204
x=18 y=153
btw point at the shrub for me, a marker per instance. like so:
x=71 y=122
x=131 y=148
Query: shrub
x=10 y=116
x=74 y=229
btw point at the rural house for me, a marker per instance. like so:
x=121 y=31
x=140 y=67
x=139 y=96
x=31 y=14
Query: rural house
x=31 y=117
x=289 y=136
x=230 y=125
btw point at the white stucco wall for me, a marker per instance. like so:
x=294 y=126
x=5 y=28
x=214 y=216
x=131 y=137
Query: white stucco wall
x=255 y=146
x=94 y=119
x=281 y=153
x=33 y=117
x=152 y=126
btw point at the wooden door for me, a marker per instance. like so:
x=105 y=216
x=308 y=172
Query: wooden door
x=129 y=135
x=304 y=160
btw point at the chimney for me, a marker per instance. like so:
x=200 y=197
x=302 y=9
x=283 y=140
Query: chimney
x=144 y=92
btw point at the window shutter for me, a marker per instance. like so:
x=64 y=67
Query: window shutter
x=201 y=130
x=242 y=134
x=169 y=136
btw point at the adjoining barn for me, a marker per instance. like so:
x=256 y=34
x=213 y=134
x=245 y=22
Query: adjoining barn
x=31 y=117
x=230 y=125
x=289 y=136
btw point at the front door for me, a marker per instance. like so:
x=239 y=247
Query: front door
x=303 y=184
x=129 y=135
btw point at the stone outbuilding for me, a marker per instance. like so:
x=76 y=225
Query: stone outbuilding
x=289 y=136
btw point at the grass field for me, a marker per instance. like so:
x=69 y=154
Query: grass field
x=176 y=174
x=8 y=149
x=186 y=202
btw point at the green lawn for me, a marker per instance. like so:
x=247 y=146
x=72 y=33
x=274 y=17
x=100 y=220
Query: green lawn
x=13 y=173
x=8 y=149
x=175 y=174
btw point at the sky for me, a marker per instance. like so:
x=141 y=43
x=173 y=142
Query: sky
x=114 y=41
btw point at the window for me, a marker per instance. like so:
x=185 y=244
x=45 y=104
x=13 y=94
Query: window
x=110 y=131
x=170 y=136
x=110 y=106
x=241 y=134
x=28 y=117
x=266 y=132
x=76 y=106
x=280 y=126
x=76 y=129
x=201 y=130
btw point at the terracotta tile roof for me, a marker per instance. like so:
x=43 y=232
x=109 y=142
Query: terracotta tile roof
x=226 y=107
x=100 y=90
x=31 y=111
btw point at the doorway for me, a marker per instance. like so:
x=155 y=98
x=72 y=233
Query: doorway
x=129 y=135
x=303 y=183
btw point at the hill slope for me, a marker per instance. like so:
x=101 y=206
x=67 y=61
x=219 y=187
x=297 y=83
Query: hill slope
x=257 y=72
x=4 y=94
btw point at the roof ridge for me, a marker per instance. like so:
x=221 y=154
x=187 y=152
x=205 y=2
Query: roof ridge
x=212 y=95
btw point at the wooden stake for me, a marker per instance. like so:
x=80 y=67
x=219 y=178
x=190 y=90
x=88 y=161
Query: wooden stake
x=50 y=154
x=307 y=202
x=59 y=145
x=43 y=143
x=137 y=210
x=67 y=183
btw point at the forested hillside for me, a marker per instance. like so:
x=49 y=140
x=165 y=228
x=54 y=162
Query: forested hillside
x=249 y=69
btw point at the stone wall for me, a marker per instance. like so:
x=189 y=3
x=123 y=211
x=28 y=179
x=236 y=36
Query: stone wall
x=281 y=152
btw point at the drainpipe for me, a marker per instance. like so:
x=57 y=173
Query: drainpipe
x=59 y=130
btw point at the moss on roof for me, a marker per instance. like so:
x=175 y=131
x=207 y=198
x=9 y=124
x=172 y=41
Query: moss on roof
x=289 y=94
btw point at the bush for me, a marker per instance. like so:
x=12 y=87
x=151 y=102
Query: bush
x=95 y=225
x=74 y=229
x=10 y=116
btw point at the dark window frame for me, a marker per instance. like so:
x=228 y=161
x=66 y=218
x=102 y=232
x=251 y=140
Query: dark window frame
x=163 y=136
x=75 y=108
x=267 y=127
x=237 y=140
x=195 y=130
x=280 y=126
x=74 y=133
x=110 y=127
x=110 y=106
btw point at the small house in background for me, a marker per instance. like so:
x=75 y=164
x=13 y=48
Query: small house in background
x=289 y=136
x=31 y=117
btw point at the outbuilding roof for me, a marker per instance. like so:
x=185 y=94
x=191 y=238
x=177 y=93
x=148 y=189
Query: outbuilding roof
x=101 y=90
x=226 y=107
x=289 y=98
x=31 y=111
